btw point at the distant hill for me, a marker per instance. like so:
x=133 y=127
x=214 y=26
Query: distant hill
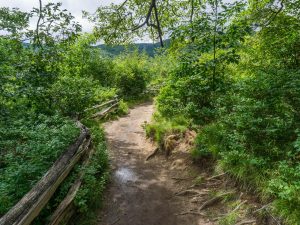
x=142 y=47
x=115 y=50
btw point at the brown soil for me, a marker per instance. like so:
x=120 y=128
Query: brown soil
x=152 y=192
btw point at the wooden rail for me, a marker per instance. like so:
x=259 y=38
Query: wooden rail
x=112 y=105
x=29 y=207
x=66 y=208
x=101 y=105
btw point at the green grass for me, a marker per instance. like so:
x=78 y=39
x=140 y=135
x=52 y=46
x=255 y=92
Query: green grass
x=160 y=127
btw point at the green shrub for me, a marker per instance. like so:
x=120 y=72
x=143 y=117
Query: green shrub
x=256 y=137
x=71 y=95
x=123 y=108
x=28 y=148
x=96 y=173
x=191 y=90
x=160 y=127
x=131 y=74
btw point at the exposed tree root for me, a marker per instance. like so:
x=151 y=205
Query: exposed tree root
x=115 y=222
x=214 y=200
x=262 y=208
x=197 y=199
x=190 y=212
x=246 y=222
x=190 y=192
x=216 y=176
x=182 y=178
x=238 y=207
x=152 y=154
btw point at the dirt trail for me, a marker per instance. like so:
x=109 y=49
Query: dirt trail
x=142 y=192
x=169 y=191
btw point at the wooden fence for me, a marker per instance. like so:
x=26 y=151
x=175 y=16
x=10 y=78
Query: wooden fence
x=111 y=106
x=29 y=207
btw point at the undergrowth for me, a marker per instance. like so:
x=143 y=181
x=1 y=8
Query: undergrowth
x=160 y=127
x=89 y=196
x=28 y=148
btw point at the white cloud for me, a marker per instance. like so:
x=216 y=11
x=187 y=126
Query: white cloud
x=73 y=6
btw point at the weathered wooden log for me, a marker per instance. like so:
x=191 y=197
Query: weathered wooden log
x=66 y=208
x=28 y=208
x=101 y=105
x=105 y=111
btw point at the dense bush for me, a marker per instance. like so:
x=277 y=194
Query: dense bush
x=93 y=183
x=40 y=83
x=191 y=96
x=71 y=95
x=132 y=74
x=28 y=148
x=249 y=117
x=256 y=136
x=96 y=173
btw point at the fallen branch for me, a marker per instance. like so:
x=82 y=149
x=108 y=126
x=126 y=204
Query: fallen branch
x=265 y=207
x=152 y=154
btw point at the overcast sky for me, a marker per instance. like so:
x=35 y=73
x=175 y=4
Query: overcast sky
x=73 y=6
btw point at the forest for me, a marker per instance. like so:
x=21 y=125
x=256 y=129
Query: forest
x=226 y=70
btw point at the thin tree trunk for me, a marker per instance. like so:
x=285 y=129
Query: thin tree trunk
x=37 y=38
x=191 y=20
x=158 y=25
x=215 y=49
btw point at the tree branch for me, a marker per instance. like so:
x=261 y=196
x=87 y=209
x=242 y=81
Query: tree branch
x=191 y=20
x=275 y=14
x=158 y=25
x=147 y=17
x=122 y=5
x=192 y=11
x=38 y=24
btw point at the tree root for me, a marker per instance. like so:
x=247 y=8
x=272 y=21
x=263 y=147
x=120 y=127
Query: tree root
x=116 y=221
x=190 y=212
x=238 y=206
x=262 y=208
x=235 y=209
x=152 y=154
x=197 y=199
x=246 y=222
x=190 y=192
x=182 y=178
x=216 y=176
x=214 y=200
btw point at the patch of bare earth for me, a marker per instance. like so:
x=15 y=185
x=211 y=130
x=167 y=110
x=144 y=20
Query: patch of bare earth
x=163 y=191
